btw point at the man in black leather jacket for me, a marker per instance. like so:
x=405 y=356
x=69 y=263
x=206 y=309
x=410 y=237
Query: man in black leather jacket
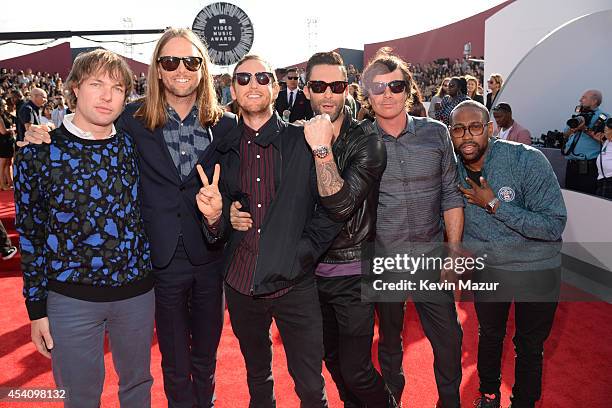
x=349 y=159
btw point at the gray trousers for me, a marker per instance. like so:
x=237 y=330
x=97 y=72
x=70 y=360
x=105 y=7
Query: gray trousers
x=78 y=328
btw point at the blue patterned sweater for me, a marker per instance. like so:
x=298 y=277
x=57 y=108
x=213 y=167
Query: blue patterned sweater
x=78 y=216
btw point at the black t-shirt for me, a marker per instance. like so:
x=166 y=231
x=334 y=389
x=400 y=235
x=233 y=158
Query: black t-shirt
x=29 y=113
x=474 y=175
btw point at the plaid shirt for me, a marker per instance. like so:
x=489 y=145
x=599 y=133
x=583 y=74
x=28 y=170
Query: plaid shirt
x=186 y=140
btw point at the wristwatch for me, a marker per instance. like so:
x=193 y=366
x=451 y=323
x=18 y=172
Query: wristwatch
x=321 y=151
x=491 y=205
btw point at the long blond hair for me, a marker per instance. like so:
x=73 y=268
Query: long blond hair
x=153 y=110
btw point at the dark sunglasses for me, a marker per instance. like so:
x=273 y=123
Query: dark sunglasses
x=262 y=78
x=172 y=63
x=397 y=86
x=336 y=87
x=293 y=78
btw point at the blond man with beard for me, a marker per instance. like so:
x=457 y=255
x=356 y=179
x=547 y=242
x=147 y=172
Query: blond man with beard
x=267 y=214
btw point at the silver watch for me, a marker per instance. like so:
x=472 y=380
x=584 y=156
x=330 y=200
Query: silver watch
x=321 y=151
x=491 y=205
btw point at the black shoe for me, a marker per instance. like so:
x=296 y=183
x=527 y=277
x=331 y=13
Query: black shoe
x=9 y=253
x=486 y=402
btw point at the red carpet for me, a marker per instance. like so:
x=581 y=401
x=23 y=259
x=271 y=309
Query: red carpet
x=578 y=356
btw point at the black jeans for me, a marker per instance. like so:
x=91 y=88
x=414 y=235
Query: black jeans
x=189 y=312
x=298 y=318
x=534 y=321
x=438 y=317
x=348 y=328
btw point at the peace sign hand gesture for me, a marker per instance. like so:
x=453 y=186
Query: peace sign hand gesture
x=209 y=198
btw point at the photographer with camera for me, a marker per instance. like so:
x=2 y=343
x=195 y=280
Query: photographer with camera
x=604 y=162
x=582 y=145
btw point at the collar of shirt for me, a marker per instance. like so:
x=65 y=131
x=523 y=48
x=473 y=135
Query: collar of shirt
x=266 y=134
x=72 y=128
x=410 y=128
x=191 y=116
x=503 y=133
x=295 y=91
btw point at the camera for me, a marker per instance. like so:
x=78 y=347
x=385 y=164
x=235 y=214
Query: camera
x=609 y=123
x=581 y=116
x=553 y=139
x=600 y=123
x=586 y=116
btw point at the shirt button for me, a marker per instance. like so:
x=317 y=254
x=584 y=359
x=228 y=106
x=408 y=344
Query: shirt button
x=258 y=205
x=257 y=134
x=249 y=142
x=181 y=123
x=183 y=153
x=258 y=156
x=259 y=230
x=258 y=179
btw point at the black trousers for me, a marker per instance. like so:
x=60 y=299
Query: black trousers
x=348 y=328
x=581 y=175
x=438 y=317
x=535 y=295
x=298 y=318
x=189 y=311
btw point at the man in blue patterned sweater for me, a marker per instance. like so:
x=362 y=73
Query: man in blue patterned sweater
x=85 y=257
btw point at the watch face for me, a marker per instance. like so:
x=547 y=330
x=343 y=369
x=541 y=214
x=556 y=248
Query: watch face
x=321 y=152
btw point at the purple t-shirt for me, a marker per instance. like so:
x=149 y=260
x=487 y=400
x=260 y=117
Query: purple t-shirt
x=327 y=270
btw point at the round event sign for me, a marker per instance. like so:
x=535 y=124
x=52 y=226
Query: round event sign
x=226 y=30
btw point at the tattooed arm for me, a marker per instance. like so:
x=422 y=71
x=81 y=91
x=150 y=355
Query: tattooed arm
x=329 y=181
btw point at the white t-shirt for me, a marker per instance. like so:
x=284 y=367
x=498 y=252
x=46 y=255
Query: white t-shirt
x=503 y=133
x=605 y=159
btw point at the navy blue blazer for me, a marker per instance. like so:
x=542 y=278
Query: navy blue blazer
x=168 y=203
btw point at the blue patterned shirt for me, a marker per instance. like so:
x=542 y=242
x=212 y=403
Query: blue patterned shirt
x=186 y=140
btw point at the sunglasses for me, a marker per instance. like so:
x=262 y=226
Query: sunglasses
x=397 y=86
x=172 y=63
x=262 y=78
x=336 y=87
x=475 y=129
x=293 y=78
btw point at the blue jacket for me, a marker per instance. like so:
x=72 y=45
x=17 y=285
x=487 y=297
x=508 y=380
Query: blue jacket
x=525 y=231
x=168 y=203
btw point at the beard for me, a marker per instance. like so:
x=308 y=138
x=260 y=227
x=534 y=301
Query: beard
x=334 y=115
x=474 y=155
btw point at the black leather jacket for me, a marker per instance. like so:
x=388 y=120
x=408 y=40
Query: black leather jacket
x=361 y=157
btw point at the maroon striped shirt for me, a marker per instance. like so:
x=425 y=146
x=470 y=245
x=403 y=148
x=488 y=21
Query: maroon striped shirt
x=257 y=182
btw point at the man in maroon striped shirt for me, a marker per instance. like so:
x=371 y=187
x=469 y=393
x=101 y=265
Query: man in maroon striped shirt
x=265 y=205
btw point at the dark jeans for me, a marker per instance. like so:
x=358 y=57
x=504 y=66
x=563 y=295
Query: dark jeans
x=581 y=175
x=298 y=318
x=348 y=328
x=533 y=324
x=439 y=320
x=189 y=318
